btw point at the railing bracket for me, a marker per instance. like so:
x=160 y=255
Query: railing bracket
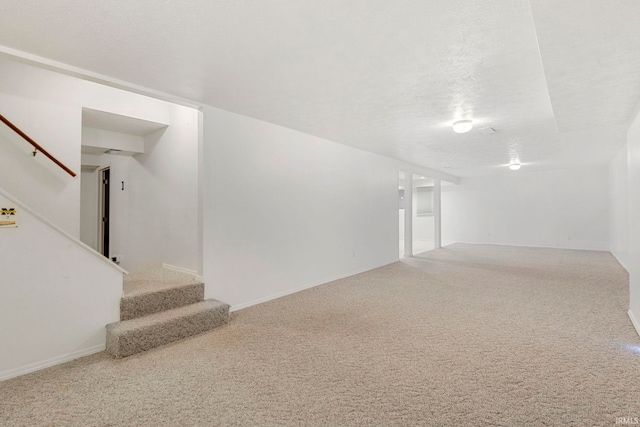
x=35 y=145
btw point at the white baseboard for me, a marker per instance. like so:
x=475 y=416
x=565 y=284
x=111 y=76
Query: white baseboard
x=181 y=270
x=634 y=321
x=12 y=373
x=577 y=245
x=619 y=261
x=301 y=288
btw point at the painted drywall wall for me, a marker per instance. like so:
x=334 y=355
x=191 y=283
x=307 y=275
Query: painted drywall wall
x=153 y=196
x=285 y=210
x=565 y=208
x=119 y=243
x=422 y=230
x=619 y=207
x=37 y=181
x=633 y=220
x=160 y=202
x=422 y=223
x=162 y=190
x=55 y=302
x=89 y=208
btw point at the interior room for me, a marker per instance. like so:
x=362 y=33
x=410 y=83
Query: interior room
x=422 y=214
x=340 y=213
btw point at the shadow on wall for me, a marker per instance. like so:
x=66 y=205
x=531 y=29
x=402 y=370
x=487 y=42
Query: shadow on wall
x=150 y=142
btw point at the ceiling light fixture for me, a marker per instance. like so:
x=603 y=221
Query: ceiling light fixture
x=515 y=166
x=462 y=126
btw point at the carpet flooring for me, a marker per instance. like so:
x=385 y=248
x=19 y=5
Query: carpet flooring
x=155 y=280
x=468 y=335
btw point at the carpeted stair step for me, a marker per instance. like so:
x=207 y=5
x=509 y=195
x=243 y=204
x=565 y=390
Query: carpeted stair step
x=142 y=304
x=137 y=335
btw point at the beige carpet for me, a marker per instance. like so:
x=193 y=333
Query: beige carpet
x=155 y=280
x=464 y=336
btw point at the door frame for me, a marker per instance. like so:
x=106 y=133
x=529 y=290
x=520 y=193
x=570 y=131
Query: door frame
x=104 y=205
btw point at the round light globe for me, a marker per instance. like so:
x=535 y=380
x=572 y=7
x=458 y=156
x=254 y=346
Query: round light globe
x=462 y=126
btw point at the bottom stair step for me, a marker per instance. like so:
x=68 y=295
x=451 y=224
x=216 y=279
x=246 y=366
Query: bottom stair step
x=137 y=335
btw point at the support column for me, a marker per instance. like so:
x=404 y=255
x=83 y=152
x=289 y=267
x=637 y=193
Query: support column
x=437 y=214
x=408 y=214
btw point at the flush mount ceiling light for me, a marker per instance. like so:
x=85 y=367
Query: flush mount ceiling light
x=462 y=126
x=515 y=166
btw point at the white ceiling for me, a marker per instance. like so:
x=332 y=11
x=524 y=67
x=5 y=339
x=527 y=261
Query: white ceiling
x=558 y=81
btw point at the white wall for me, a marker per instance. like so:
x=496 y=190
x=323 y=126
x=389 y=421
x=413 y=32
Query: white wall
x=154 y=220
x=285 y=210
x=119 y=242
x=565 y=208
x=633 y=183
x=37 y=181
x=423 y=227
x=422 y=224
x=159 y=208
x=54 y=302
x=89 y=208
x=162 y=188
x=619 y=207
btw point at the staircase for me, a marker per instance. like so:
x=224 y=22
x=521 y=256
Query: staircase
x=159 y=307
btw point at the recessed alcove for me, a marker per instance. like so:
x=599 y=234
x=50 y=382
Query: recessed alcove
x=104 y=132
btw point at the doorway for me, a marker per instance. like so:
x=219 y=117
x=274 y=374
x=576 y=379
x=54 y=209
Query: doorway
x=419 y=198
x=103 y=238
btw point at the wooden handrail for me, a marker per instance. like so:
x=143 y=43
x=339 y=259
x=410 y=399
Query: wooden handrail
x=36 y=145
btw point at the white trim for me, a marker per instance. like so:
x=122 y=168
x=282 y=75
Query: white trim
x=43 y=220
x=301 y=288
x=12 y=373
x=69 y=70
x=602 y=246
x=619 y=261
x=180 y=269
x=634 y=321
x=101 y=194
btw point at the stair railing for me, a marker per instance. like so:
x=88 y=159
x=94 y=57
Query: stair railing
x=36 y=146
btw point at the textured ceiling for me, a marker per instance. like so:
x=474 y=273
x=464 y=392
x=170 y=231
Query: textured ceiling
x=556 y=80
